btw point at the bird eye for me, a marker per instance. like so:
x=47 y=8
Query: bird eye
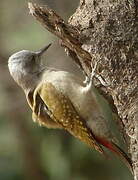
x=33 y=58
x=29 y=62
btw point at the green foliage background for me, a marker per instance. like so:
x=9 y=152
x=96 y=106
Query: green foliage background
x=28 y=151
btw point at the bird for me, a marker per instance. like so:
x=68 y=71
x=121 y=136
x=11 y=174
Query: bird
x=60 y=99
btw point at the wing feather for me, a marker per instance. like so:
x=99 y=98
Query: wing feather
x=63 y=112
x=40 y=112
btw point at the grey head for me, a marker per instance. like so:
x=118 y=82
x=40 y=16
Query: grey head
x=26 y=68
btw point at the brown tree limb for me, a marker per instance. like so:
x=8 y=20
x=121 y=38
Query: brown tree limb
x=112 y=30
x=67 y=33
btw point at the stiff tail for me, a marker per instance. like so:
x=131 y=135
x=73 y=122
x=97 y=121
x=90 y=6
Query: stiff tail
x=117 y=150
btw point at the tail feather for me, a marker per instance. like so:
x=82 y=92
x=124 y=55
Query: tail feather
x=117 y=150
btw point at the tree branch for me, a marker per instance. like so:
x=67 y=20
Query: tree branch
x=68 y=34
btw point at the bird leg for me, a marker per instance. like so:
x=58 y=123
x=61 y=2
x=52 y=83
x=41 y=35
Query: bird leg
x=94 y=73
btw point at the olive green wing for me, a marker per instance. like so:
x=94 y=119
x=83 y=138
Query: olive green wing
x=62 y=111
x=39 y=111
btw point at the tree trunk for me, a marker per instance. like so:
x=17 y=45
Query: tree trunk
x=107 y=32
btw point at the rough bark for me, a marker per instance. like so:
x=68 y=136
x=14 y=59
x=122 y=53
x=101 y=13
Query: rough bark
x=107 y=32
x=110 y=31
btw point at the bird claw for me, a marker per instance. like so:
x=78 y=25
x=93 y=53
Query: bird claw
x=94 y=69
x=96 y=75
x=87 y=80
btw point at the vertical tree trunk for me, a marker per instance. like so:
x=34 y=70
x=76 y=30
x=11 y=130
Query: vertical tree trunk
x=109 y=32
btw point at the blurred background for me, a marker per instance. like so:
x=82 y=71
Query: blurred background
x=28 y=151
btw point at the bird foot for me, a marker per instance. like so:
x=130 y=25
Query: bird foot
x=94 y=73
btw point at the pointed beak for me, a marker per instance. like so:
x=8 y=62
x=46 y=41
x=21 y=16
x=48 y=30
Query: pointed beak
x=41 y=51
